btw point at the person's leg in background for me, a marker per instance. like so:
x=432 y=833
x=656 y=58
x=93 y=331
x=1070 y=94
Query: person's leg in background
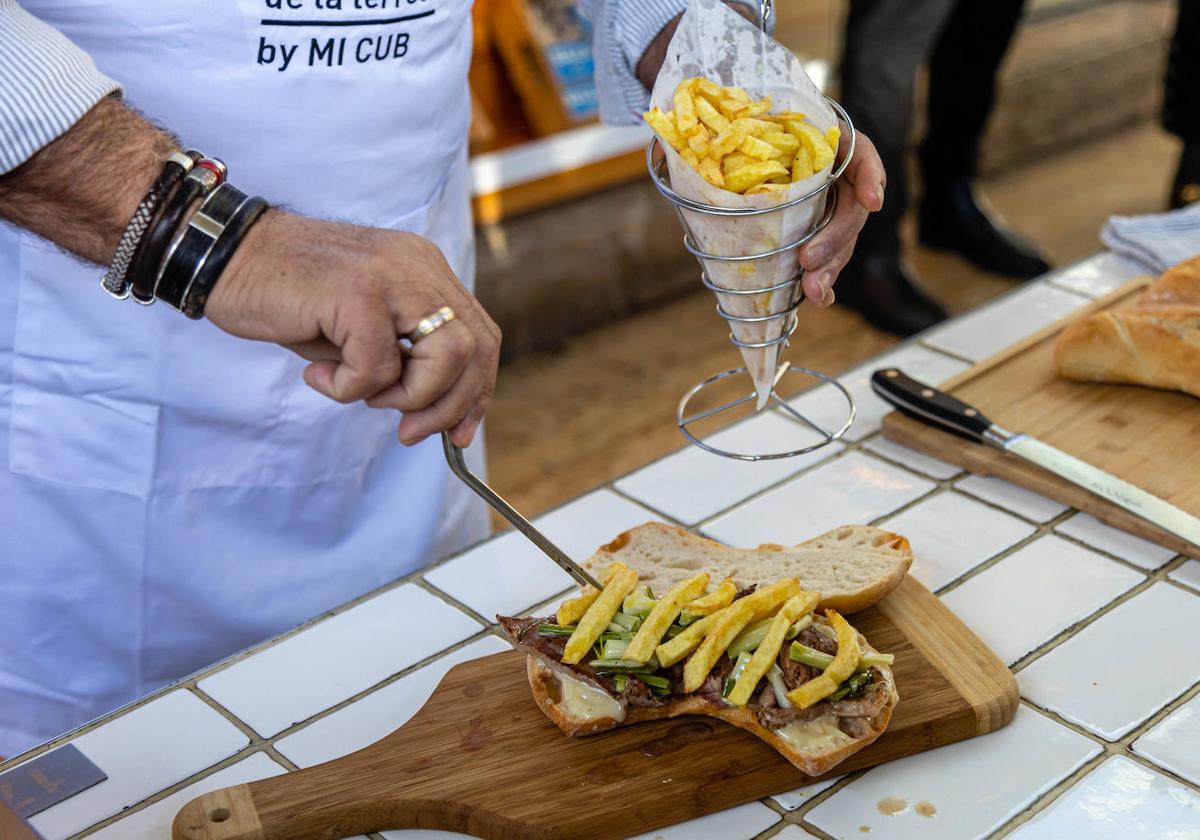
x=962 y=90
x=1181 y=115
x=886 y=41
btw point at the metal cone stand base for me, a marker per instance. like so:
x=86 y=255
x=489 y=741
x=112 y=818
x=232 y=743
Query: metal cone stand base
x=791 y=301
x=777 y=403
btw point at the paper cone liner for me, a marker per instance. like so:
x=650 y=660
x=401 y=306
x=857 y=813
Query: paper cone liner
x=716 y=43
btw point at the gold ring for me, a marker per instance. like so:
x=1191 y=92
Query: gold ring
x=432 y=323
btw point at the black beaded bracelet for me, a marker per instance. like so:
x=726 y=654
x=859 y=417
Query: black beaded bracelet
x=116 y=280
x=196 y=296
x=148 y=265
x=189 y=253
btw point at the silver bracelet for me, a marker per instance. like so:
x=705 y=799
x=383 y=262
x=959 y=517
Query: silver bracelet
x=116 y=280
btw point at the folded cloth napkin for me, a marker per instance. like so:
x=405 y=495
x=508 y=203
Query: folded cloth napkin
x=1156 y=240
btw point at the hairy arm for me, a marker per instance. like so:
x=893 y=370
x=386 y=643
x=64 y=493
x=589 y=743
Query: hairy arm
x=80 y=191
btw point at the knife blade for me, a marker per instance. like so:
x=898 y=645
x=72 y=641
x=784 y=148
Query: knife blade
x=458 y=465
x=938 y=408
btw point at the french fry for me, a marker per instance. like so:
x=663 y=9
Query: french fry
x=759 y=107
x=685 y=110
x=709 y=89
x=814 y=141
x=728 y=140
x=833 y=136
x=664 y=126
x=596 y=620
x=672 y=650
x=755 y=127
x=710 y=116
x=764 y=657
x=783 y=116
x=710 y=168
x=731 y=108
x=698 y=141
x=642 y=646
x=740 y=180
x=733 y=619
x=784 y=141
x=843 y=665
x=766 y=188
x=756 y=148
x=718 y=599
x=738 y=94
x=802 y=164
x=735 y=160
x=571 y=611
x=689 y=157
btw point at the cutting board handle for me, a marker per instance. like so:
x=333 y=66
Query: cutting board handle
x=317 y=803
x=226 y=814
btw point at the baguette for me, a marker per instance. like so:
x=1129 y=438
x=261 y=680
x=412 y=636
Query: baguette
x=1178 y=285
x=1158 y=347
x=852 y=566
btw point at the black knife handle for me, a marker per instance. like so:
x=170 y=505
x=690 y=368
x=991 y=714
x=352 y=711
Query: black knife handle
x=928 y=404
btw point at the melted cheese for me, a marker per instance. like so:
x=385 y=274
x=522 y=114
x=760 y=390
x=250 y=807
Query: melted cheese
x=588 y=703
x=818 y=735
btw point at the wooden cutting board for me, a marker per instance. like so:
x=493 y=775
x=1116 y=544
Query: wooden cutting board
x=1148 y=437
x=481 y=758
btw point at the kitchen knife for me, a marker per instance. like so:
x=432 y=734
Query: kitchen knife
x=940 y=409
x=458 y=466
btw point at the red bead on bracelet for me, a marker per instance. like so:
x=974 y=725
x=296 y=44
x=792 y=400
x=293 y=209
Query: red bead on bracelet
x=216 y=167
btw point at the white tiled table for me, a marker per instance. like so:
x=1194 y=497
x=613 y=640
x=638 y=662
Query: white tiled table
x=1100 y=627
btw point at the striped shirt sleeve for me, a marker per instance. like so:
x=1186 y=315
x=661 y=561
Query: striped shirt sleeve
x=622 y=29
x=46 y=84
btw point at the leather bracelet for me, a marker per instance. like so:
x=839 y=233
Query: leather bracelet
x=199 y=236
x=149 y=261
x=116 y=280
x=205 y=280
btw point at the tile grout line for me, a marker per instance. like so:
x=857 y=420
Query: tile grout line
x=158 y=796
x=1070 y=632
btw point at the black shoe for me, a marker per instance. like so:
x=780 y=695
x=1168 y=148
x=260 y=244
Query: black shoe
x=950 y=220
x=1186 y=187
x=878 y=289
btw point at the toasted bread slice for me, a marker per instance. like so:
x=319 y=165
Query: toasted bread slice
x=852 y=566
x=814 y=746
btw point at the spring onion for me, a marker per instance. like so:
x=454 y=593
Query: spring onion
x=810 y=656
x=775 y=677
x=619 y=681
x=555 y=630
x=739 y=665
x=855 y=683
x=613 y=648
x=686 y=617
x=625 y=622
x=660 y=685
x=639 y=602
x=629 y=666
x=750 y=638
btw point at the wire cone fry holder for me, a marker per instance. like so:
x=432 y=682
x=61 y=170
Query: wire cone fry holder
x=728 y=242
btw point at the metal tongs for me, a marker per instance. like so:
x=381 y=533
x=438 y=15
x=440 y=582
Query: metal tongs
x=454 y=456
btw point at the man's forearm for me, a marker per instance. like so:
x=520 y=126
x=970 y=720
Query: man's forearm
x=81 y=190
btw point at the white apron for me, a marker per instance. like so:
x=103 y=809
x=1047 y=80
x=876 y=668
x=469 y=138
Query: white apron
x=170 y=494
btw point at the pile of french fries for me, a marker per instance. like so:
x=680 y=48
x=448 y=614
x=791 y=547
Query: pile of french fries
x=689 y=621
x=736 y=143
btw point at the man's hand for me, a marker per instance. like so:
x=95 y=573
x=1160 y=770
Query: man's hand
x=342 y=296
x=339 y=295
x=859 y=193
